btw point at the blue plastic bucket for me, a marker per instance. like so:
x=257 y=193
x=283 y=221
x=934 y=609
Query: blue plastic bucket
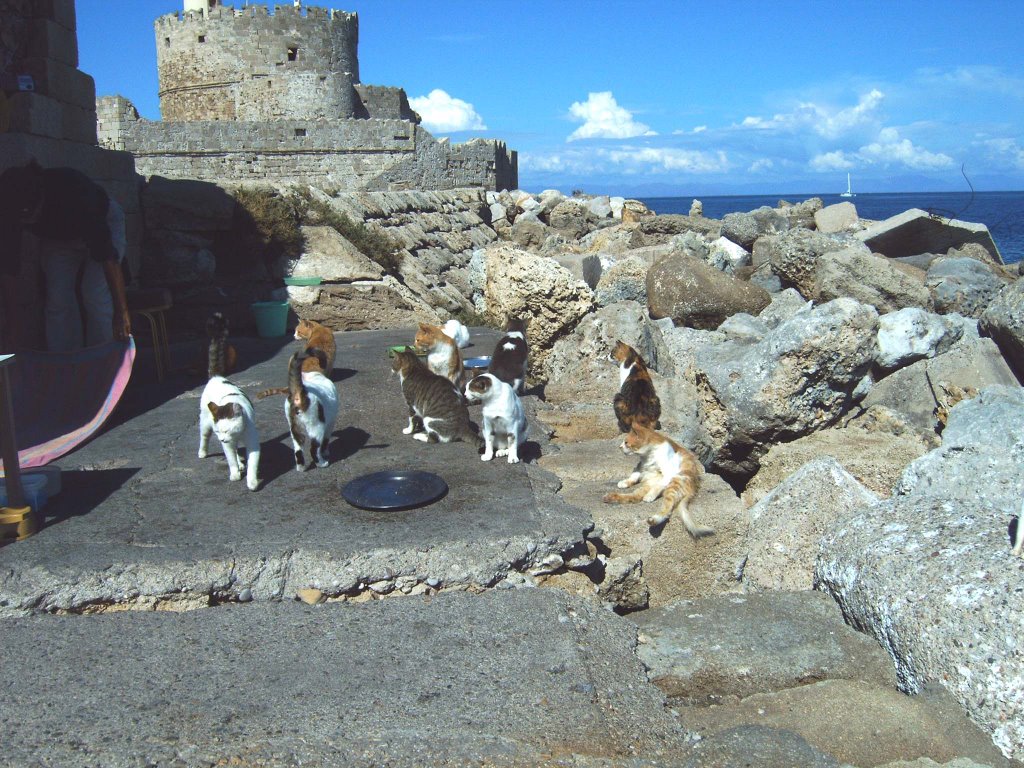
x=33 y=486
x=271 y=318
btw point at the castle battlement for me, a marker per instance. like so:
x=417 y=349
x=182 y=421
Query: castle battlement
x=254 y=94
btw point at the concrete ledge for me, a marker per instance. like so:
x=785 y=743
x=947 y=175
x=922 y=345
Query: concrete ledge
x=915 y=232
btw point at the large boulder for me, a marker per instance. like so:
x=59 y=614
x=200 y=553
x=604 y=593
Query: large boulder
x=721 y=649
x=529 y=232
x=924 y=390
x=329 y=255
x=915 y=231
x=578 y=369
x=571 y=218
x=691 y=292
x=522 y=285
x=789 y=522
x=962 y=285
x=626 y=280
x=656 y=230
x=929 y=573
x=802 y=214
x=800 y=378
x=185 y=205
x=869 y=279
x=876 y=459
x=794 y=256
x=840 y=217
x=744 y=228
x=912 y=334
x=1003 y=320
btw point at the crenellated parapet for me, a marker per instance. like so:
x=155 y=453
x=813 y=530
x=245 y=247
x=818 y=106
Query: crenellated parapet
x=252 y=64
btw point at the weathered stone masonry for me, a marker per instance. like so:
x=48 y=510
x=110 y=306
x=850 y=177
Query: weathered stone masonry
x=249 y=95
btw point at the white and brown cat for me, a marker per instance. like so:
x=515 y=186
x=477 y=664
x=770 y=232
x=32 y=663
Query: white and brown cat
x=666 y=469
x=505 y=425
x=224 y=409
x=311 y=409
x=443 y=356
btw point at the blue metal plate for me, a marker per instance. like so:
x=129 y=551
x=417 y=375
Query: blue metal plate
x=475 y=363
x=394 y=490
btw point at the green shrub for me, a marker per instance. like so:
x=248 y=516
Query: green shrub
x=372 y=243
x=267 y=224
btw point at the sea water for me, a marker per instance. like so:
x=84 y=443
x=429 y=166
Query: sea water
x=1001 y=212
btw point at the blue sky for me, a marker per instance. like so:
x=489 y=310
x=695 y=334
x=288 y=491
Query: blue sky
x=675 y=97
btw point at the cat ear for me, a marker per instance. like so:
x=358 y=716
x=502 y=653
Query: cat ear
x=213 y=409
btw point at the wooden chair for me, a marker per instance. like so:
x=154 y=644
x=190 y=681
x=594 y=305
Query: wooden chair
x=152 y=304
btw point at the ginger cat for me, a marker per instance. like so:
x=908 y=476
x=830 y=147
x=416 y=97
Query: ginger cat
x=317 y=355
x=443 y=356
x=666 y=469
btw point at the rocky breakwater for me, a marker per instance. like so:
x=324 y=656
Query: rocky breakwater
x=823 y=382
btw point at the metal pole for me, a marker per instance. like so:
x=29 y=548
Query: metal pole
x=8 y=443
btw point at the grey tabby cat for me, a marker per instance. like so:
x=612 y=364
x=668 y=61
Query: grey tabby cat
x=436 y=409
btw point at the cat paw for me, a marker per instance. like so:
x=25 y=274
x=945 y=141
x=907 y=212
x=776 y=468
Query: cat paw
x=423 y=437
x=322 y=463
x=233 y=476
x=486 y=456
x=513 y=459
x=501 y=452
x=623 y=484
x=202 y=453
x=655 y=520
x=610 y=498
x=651 y=496
x=253 y=484
x=300 y=467
x=407 y=431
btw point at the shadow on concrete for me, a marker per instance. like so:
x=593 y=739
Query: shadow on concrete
x=83 y=490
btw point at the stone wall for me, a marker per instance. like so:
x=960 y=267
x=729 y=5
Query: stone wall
x=55 y=123
x=248 y=64
x=330 y=154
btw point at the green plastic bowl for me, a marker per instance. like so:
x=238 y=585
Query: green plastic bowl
x=303 y=280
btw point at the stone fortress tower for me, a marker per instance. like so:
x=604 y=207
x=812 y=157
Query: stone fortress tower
x=250 y=94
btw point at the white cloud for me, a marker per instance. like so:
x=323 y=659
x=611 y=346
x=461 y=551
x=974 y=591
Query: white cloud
x=542 y=163
x=890 y=149
x=657 y=159
x=442 y=113
x=825 y=121
x=603 y=118
x=831 y=161
x=762 y=164
x=1006 y=151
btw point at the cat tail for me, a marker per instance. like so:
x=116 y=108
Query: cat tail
x=272 y=391
x=677 y=495
x=217 y=330
x=472 y=436
x=296 y=389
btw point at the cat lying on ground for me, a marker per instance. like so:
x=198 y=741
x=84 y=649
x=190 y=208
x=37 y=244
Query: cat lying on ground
x=666 y=469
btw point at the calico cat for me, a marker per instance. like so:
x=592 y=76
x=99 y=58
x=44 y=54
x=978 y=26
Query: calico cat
x=508 y=362
x=457 y=332
x=225 y=410
x=443 y=356
x=636 y=401
x=666 y=469
x=436 y=408
x=503 y=415
x=311 y=408
x=319 y=352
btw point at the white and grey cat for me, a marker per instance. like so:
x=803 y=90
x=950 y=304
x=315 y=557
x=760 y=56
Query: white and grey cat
x=311 y=408
x=224 y=409
x=503 y=416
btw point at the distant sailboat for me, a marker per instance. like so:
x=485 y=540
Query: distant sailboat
x=849 y=189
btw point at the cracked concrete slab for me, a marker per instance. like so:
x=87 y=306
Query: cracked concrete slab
x=513 y=677
x=141 y=521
